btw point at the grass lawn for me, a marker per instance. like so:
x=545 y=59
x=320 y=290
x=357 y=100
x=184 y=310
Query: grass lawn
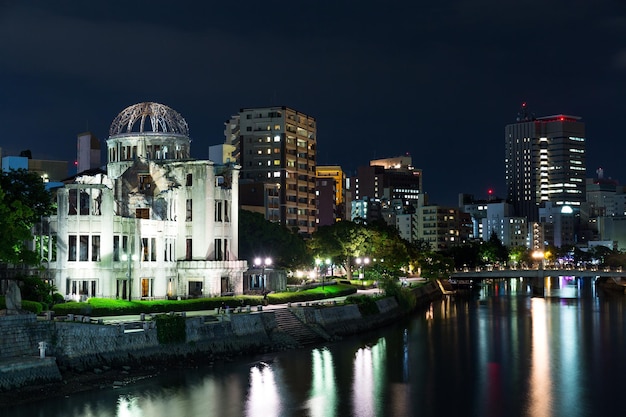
x=111 y=307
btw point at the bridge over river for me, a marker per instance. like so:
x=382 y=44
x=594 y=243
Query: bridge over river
x=539 y=277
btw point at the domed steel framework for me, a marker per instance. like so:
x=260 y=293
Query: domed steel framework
x=162 y=119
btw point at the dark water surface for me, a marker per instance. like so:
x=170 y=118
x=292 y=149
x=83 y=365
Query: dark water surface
x=500 y=352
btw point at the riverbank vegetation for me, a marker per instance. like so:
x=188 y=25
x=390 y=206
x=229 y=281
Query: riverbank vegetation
x=99 y=307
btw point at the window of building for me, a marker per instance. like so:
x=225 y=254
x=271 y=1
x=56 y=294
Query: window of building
x=142 y=213
x=147 y=287
x=144 y=249
x=188 y=216
x=188 y=249
x=218 y=250
x=84 y=248
x=71 y=248
x=95 y=248
x=116 y=248
x=153 y=253
x=218 y=211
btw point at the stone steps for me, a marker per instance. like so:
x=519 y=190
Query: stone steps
x=287 y=322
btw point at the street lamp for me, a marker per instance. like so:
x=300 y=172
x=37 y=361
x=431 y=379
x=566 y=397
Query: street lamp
x=318 y=267
x=129 y=275
x=538 y=256
x=263 y=263
x=361 y=262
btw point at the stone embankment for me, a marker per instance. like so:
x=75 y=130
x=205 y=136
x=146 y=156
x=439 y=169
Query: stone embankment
x=87 y=347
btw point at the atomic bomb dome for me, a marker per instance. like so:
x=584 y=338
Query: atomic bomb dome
x=147 y=132
x=163 y=119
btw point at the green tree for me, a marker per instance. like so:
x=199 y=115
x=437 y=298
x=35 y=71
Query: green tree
x=435 y=265
x=23 y=201
x=259 y=237
x=390 y=250
x=341 y=241
x=467 y=255
x=519 y=255
x=493 y=250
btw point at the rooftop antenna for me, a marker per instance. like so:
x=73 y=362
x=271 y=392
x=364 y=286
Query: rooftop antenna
x=524 y=115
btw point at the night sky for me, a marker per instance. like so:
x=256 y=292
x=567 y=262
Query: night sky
x=437 y=79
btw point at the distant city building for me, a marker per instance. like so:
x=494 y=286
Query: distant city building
x=366 y=209
x=51 y=172
x=390 y=179
x=88 y=152
x=331 y=178
x=443 y=227
x=407 y=225
x=222 y=154
x=544 y=162
x=326 y=202
x=155 y=224
x=277 y=145
x=559 y=224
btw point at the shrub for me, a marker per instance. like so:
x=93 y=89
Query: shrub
x=328 y=291
x=32 y=306
x=367 y=305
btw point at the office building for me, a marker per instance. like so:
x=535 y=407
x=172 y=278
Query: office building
x=390 y=179
x=277 y=146
x=443 y=227
x=330 y=191
x=544 y=161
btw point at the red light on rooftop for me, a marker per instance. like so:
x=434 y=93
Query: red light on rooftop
x=561 y=118
x=75 y=163
x=490 y=191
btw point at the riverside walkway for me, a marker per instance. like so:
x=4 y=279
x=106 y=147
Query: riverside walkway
x=232 y=310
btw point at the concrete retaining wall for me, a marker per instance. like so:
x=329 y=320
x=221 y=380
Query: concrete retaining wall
x=20 y=335
x=83 y=346
x=27 y=370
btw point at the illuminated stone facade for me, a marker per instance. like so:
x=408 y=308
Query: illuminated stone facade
x=156 y=224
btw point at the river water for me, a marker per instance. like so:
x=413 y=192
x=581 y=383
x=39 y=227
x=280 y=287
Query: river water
x=498 y=352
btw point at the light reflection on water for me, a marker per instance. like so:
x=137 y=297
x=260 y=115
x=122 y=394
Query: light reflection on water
x=500 y=352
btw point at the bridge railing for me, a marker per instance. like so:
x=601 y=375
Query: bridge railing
x=489 y=268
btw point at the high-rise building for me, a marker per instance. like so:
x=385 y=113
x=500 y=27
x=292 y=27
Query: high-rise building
x=544 y=161
x=331 y=205
x=443 y=227
x=390 y=179
x=277 y=145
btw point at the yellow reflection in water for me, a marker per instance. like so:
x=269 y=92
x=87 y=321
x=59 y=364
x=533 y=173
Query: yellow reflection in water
x=369 y=373
x=323 y=398
x=540 y=378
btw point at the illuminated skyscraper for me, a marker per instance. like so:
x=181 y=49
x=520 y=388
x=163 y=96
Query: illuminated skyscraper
x=544 y=161
x=276 y=147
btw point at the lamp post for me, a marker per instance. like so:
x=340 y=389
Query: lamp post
x=318 y=267
x=129 y=275
x=538 y=256
x=263 y=263
x=361 y=262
